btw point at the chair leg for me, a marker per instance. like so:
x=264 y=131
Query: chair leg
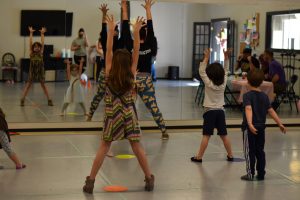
x=196 y=97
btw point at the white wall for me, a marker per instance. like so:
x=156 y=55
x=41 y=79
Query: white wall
x=173 y=24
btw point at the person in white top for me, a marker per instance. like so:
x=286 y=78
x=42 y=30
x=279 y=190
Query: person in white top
x=214 y=77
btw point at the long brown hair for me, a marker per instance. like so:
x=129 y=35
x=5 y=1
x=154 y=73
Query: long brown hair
x=121 y=77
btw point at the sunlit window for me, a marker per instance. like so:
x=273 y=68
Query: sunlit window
x=283 y=30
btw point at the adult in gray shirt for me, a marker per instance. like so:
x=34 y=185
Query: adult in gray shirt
x=79 y=46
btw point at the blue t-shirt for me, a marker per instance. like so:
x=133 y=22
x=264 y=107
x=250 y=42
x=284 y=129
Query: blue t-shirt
x=260 y=104
x=276 y=68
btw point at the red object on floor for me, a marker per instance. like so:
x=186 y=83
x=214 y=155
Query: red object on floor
x=14 y=133
x=115 y=188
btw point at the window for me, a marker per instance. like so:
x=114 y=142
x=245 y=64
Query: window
x=283 y=30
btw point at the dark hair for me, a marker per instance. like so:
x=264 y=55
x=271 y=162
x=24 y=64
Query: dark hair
x=247 y=50
x=255 y=77
x=36 y=44
x=269 y=52
x=81 y=30
x=143 y=33
x=121 y=77
x=255 y=62
x=215 y=73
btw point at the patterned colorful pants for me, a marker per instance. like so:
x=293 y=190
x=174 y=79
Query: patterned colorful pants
x=145 y=90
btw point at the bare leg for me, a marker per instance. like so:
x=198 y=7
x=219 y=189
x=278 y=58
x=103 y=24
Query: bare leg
x=102 y=151
x=15 y=159
x=227 y=145
x=83 y=108
x=45 y=90
x=26 y=89
x=141 y=156
x=64 y=108
x=203 y=146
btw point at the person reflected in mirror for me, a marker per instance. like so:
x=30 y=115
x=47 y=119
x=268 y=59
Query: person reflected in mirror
x=243 y=61
x=79 y=46
x=36 y=69
x=144 y=82
x=75 y=92
x=5 y=142
x=214 y=77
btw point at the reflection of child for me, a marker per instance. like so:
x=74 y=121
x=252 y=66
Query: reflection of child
x=5 y=142
x=36 y=70
x=214 y=77
x=75 y=93
x=257 y=106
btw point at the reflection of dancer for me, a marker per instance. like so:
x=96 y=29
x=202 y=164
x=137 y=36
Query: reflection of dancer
x=147 y=51
x=36 y=70
x=120 y=120
x=5 y=142
x=79 y=46
x=75 y=93
x=99 y=58
x=215 y=78
x=144 y=80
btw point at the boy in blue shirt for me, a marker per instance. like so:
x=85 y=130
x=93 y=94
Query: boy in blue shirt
x=257 y=105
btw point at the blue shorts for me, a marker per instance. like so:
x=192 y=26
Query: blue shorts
x=214 y=119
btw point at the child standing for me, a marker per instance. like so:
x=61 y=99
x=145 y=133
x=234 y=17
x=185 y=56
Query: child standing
x=75 y=93
x=36 y=70
x=257 y=105
x=5 y=142
x=120 y=119
x=214 y=78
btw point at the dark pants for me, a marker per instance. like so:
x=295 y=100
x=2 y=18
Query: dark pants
x=77 y=61
x=100 y=66
x=254 y=152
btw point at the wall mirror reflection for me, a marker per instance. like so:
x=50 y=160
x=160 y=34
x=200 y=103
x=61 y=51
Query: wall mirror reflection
x=183 y=30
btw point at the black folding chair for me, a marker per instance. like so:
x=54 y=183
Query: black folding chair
x=200 y=93
x=289 y=95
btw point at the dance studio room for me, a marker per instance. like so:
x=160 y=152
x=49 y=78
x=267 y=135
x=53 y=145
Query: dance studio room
x=149 y=99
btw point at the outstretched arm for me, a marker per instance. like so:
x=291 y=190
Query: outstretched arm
x=43 y=31
x=148 y=4
x=31 y=30
x=104 y=9
x=275 y=117
x=109 y=46
x=136 y=44
x=125 y=40
x=68 y=63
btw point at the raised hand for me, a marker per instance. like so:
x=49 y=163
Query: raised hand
x=227 y=53
x=148 y=4
x=123 y=4
x=207 y=54
x=138 y=24
x=111 y=22
x=43 y=30
x=82 y=60
x=104 y=8
x=31 y=30
x=67 y=61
